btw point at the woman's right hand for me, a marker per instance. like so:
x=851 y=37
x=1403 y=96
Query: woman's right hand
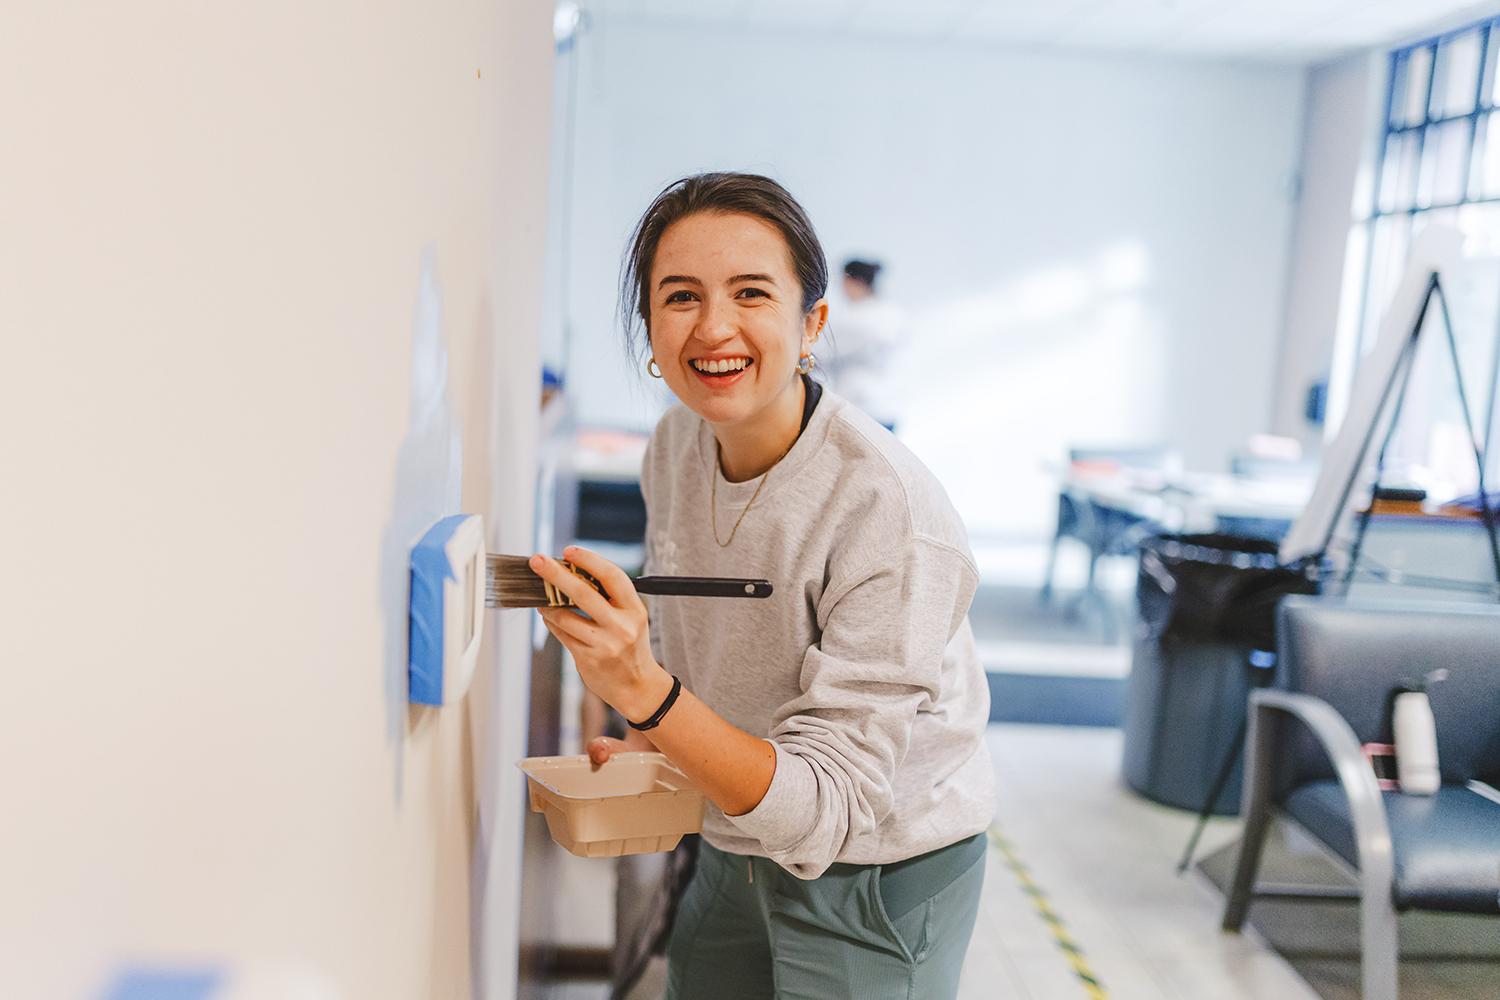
x=603 y=747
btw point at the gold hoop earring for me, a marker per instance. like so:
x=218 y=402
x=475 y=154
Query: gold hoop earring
x=807 y=363
x=652 y=368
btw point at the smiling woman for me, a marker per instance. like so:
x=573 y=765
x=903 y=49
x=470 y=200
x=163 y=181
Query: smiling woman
x=730 y=314
x=837 y=728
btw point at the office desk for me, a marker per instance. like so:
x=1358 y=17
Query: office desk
x=608 y=455
x=1111 y=512
x=1425 y=558
x=606 y=464
x=1192 y=502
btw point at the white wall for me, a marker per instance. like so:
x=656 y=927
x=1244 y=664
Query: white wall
x=213 y=226
x=1092 y=249
x=1338 y=148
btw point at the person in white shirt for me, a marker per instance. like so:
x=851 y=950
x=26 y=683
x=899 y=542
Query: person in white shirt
x=866 y=337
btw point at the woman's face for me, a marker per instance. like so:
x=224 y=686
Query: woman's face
x=727 y=327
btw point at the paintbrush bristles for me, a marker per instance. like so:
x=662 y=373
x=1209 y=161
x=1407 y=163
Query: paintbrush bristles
x=512 y=583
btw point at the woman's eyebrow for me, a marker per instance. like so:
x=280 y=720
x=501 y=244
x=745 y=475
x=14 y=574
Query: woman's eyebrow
x=765 y=278
x=677 y=279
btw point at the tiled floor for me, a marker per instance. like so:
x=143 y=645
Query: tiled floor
x=1106 y=861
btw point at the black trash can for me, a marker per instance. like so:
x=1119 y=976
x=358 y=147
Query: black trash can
x=1207 y=635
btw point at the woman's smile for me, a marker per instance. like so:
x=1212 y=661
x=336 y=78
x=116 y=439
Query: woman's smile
x=720 y=373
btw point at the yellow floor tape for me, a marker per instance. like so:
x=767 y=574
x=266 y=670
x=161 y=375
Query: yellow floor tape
x=1092 y=987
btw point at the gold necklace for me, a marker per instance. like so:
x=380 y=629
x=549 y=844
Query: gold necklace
x=713 y=504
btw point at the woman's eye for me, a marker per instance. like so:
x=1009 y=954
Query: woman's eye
x=753 y=293
x=676 y=297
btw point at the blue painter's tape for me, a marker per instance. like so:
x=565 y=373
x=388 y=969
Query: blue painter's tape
x=429 y=570
x=152 y=984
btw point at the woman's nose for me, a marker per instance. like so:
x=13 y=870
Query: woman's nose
x=716 y=322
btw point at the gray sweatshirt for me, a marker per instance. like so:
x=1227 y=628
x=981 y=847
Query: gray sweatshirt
x=860 y=669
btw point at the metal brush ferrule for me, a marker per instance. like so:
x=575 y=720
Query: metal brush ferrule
x=557 y=599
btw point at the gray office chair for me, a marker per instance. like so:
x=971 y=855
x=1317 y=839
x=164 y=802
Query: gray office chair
x=1106 y=532
x=1338 y=664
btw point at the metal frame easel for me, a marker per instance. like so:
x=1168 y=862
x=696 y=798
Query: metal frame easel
x=1403 y=372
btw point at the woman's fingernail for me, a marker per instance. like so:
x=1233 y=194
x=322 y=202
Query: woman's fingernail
x=536 y=562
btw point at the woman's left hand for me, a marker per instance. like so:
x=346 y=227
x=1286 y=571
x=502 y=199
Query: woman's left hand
x=612 y=647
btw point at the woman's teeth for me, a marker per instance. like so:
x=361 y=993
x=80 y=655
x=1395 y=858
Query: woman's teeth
x=720 y=367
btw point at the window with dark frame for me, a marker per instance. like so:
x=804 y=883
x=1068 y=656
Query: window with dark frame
x=1438 y=162
x=1439 y=159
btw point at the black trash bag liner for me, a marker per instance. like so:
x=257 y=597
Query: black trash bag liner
x=1215 y=587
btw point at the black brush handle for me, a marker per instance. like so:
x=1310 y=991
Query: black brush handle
x=701 y=586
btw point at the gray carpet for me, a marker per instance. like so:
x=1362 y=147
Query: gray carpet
x=1443 y=956
x=1056 y=701
x=1019 y=614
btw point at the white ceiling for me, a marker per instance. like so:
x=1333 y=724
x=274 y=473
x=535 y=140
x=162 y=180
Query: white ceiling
x=1279 y=30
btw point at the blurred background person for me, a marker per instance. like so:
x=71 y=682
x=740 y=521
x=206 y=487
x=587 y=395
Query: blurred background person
x=867 y=334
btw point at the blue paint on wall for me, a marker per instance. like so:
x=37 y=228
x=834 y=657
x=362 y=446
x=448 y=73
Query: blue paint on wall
x=430 y=569
x=151 y=984
x=428 y=486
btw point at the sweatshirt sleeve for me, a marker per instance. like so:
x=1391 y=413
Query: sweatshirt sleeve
x=650 y=557
x=877 y=662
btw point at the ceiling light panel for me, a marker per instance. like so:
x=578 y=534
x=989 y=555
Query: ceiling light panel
x=931 y=17
x=798 y=14
x=696 y=11
x=1262 y=27
x=1374 y=22
x=1018 y=22
x=1156 y=20
x=1300 y=30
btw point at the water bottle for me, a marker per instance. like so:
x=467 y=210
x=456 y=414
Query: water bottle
x=1416 y=739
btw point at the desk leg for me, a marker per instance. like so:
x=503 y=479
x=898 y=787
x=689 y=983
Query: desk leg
x=1046 y=594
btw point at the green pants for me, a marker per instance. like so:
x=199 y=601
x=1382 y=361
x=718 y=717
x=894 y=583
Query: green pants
x=748 y=930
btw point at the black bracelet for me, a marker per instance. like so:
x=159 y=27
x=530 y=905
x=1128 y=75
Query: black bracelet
x=666 y=706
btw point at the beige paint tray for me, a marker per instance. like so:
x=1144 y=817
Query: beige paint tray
x=635 y=803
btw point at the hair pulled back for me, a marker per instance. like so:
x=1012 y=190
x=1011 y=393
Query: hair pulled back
x=723 y=193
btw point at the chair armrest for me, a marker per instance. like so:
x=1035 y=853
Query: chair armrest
x=1372 y=831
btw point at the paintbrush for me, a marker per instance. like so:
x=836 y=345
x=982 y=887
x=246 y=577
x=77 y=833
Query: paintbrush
x=513 y=584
